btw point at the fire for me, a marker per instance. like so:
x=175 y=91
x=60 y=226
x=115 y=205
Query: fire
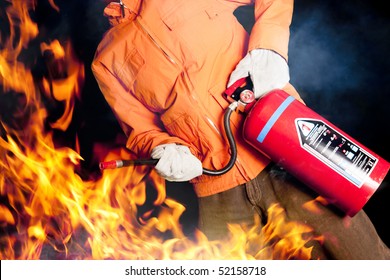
x=48 y=210
x=65 y=79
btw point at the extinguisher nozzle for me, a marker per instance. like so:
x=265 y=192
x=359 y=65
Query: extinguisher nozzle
x=113 y=164
x=110 y=164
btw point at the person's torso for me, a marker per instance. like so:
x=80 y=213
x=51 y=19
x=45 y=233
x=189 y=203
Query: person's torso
x=176 y=57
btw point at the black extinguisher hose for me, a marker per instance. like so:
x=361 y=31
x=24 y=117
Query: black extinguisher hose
x=229 y=135
x=232 y=143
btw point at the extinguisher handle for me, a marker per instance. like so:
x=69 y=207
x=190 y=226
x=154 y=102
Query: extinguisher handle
x=241 y=91
x=235 y=86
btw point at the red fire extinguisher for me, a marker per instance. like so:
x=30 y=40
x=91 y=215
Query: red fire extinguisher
x=336 y=166
x=309 y=147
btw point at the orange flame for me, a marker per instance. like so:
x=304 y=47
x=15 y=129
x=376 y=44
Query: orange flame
x=66 y=76
x=49 y=211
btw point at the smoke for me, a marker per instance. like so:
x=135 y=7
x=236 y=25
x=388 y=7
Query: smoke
x=320 y=60
x=341 y=49
x=338 y=63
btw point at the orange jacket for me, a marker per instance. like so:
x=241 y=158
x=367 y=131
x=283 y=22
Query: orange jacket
x=164 y=66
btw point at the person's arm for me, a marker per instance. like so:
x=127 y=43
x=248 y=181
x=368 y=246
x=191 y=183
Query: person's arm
x=142 y=127
x=266 y=61
x=271 y=29
x=146 y=135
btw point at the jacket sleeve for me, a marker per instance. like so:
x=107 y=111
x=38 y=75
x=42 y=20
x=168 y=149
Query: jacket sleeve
x=272 y=26
x=271 y=30
x=142 y=127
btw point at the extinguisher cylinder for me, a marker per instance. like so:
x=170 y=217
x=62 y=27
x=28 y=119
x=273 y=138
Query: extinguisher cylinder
x=315 y=151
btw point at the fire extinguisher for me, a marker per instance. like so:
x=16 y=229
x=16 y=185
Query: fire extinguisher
x=309 y=147
x=305 y=144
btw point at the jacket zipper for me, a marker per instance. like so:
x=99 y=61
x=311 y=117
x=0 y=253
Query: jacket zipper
x=155 y=42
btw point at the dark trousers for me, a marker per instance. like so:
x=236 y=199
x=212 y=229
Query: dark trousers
x=343 y=237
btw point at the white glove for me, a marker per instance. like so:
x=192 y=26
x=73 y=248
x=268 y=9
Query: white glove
x=267 y=70
x=176 y=163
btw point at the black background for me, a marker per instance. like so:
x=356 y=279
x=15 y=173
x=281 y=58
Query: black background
x=338 y=61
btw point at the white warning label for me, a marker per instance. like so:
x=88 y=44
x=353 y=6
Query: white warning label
x=335 y=150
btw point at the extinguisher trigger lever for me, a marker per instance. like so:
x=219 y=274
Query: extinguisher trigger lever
x=241 y=92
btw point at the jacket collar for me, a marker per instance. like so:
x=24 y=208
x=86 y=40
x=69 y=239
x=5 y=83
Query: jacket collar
x=120 y=11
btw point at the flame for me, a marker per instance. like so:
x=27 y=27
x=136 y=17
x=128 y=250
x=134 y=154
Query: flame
x=48 y=210
x=314 y=206
x=66 y=76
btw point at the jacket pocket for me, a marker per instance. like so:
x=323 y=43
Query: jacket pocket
x=128 y=68
x=191 y=131
x=183 y=11
x=200 y=27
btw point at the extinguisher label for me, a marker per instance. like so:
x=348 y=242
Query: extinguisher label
x=335 y=150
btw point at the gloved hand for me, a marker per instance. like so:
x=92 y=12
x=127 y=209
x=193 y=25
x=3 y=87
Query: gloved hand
x=176 y=163
x=267 y=70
